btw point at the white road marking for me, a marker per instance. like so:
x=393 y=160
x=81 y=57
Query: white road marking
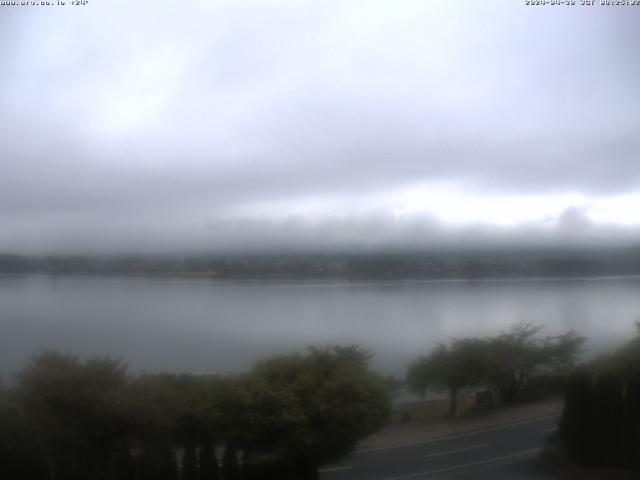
x=457 y=435
x=523 y=453
x=549 y=430
x=334 y=469
x=447 y=452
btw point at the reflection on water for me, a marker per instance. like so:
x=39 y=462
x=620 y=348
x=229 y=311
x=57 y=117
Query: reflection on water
x=199 y=325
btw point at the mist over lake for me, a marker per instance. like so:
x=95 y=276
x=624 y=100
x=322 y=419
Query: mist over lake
x=188 y=325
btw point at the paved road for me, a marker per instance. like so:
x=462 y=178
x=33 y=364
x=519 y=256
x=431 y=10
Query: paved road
x=504 y=452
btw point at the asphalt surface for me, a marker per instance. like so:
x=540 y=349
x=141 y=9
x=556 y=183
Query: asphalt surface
x=503 y=452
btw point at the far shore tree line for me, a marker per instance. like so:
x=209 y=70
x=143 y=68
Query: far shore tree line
x=358 y=266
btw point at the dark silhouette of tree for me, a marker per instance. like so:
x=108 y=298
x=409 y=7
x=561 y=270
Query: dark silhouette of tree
x=504 y=363
x=462 y=364
x=166 y=463
x=230 y=466
x=518 y=354
x=190 y=463
x=74 y=412
x=600 y=424
x=88 y=420
x=20 y=453
x=208 y=463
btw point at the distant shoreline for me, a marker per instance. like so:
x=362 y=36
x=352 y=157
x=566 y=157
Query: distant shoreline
x=326 y=282
x=366 y=267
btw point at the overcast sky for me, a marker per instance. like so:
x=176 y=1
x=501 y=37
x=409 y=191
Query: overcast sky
x=216 y=125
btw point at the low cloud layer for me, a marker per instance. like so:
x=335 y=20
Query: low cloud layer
x=165 y=126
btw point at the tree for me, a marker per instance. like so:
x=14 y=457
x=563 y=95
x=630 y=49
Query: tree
x=600 y=423
x=516 y=355
x=170 y=413
x=208 y=462
x=90 y=420
x=624 y=361
x=20 y=456
x=74 y=411
x=304 y=410
x=230 y=465
x=462 y=364
x=504 y=363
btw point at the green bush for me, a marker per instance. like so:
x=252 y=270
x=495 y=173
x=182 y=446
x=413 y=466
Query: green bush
x=90 y=420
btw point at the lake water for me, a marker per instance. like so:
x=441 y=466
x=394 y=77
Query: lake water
x=201 y=325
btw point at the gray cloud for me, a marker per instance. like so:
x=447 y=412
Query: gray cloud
x=153 y=125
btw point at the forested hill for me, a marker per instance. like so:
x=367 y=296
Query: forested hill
x=343 y=266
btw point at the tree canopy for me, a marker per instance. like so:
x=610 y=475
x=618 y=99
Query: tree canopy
x=89 y=419
x=504 y=363
x=317 y=404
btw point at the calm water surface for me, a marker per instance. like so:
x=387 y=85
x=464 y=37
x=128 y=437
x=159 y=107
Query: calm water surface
x=201 y=325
